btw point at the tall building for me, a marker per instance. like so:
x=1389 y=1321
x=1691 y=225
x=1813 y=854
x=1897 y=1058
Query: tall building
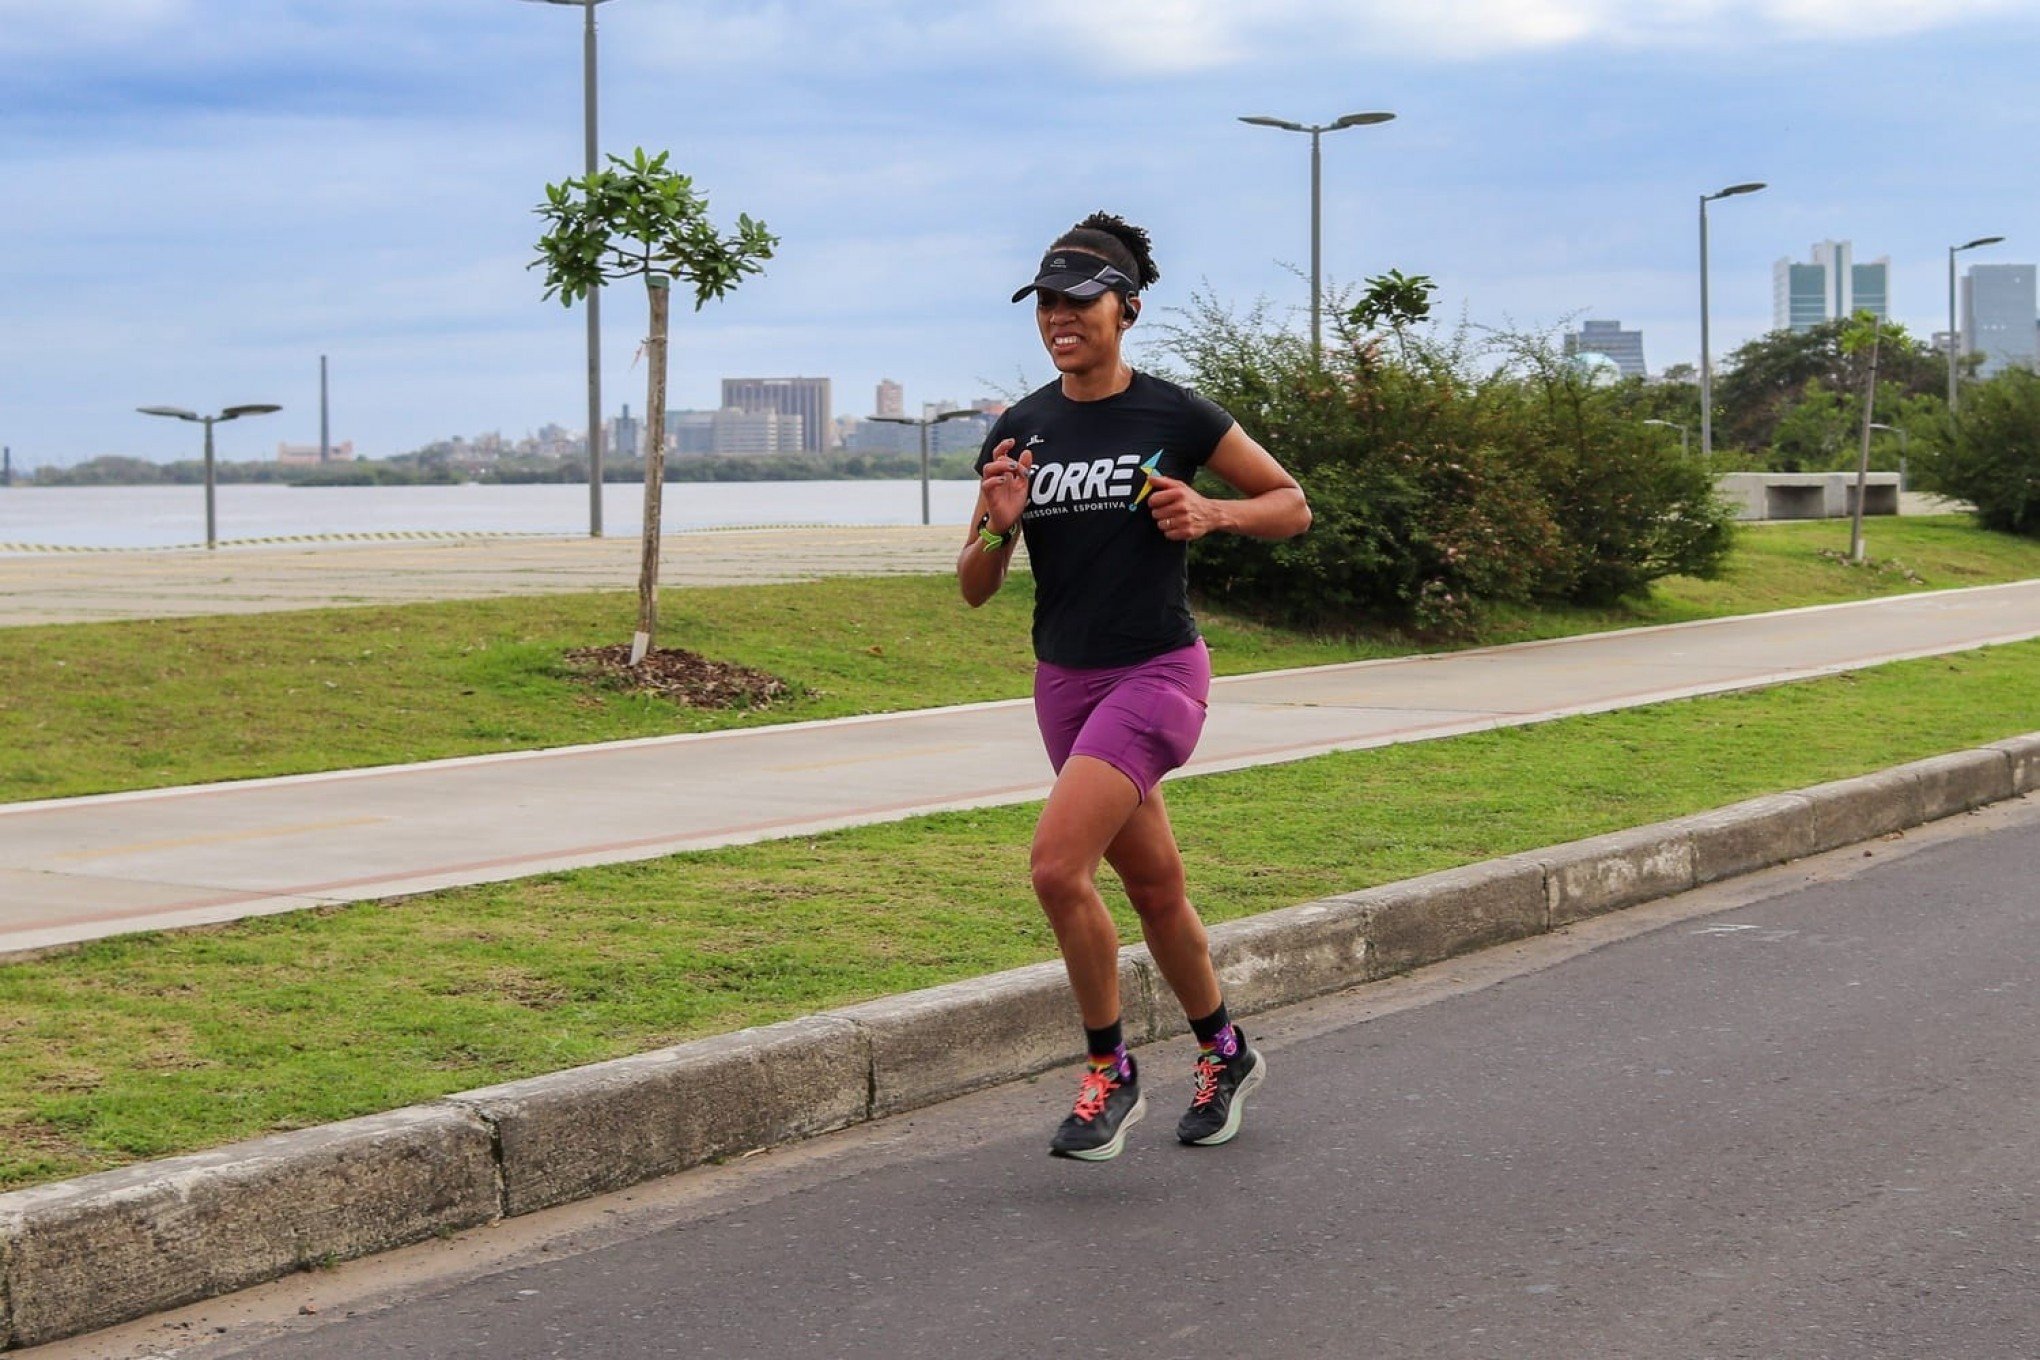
x=965 y=433
x=624 y=436
x=878 y=436
x=1833 y=285
x=2000 y=316
x=690 y=432
x=737 y=433
x=1608 y=338
x=891 y=399
x=807 y=398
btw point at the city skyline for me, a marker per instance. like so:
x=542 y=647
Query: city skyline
x=1827 y=286
x=1624 y=348
x=202 y=219
x=2000 y=318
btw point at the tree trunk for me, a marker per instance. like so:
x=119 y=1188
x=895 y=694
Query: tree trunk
x=658 y=290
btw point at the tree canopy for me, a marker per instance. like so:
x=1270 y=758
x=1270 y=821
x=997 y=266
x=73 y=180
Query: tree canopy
x=1763 y=381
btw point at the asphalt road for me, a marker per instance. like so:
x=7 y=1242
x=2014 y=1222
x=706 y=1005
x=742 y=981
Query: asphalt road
x=1796 y=1115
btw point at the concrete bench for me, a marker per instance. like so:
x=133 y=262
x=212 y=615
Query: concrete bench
x=1807 y=495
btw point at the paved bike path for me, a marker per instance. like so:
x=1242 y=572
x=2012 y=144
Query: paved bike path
x=78 y=869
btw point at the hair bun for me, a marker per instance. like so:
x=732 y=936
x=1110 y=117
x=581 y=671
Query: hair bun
x=1133 y=239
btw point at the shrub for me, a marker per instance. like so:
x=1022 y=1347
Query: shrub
x=1629 y=508
x=1989 y=454
x=1439 y=483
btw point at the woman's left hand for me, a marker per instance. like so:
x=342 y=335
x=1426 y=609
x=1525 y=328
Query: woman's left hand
x=1180 y=513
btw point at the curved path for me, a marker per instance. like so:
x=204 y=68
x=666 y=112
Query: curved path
x=83 y=868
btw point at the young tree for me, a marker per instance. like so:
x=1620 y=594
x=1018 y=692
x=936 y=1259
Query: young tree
x=1810 y=435
x=1395 y=300
x=1863 y=334
x=637 y=218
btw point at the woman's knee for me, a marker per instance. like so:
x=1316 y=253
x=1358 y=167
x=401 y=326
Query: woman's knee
x=1061 y=880
x=1160 y=899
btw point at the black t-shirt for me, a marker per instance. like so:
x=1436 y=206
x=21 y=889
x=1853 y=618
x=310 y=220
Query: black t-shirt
x=1110 y=588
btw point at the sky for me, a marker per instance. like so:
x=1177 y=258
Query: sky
x=205 y=196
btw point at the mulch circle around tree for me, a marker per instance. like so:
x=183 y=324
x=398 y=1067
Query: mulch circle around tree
x=682 y=676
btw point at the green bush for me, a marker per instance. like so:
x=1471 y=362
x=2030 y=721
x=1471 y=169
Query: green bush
x=1630 y=508
x=1442 y=481
x=1989 y=454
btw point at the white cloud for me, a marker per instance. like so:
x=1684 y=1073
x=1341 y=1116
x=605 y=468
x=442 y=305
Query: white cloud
x=737 y=42
x=1169 y=36
x=357 y=178
x=1024 y=42
x=38 y=26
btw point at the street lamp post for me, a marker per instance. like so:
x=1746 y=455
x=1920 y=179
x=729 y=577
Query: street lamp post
x=1706 y=357
x=594 y=307
x=1316 y=203
x=231 y=413
x=1684 y=446
x=1954 y=336
x=924 y=423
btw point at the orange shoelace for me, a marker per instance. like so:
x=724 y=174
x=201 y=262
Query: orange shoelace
x=1098 y=1083
x=1208 y=1068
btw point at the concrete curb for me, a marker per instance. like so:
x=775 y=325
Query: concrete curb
x=2023 y=755
x=576 y=1134
x=88 y=1253
x=936 y=1044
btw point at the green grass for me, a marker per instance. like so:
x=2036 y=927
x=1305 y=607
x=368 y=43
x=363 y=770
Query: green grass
x=1792 y=565
x=143 y=1046
x=90 y=708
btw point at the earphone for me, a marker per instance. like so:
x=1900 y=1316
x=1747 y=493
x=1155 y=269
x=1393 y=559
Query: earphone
x=1129 y=309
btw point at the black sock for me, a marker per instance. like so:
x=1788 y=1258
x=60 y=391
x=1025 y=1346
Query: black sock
x=1215 y=1032
x=1108 y=1045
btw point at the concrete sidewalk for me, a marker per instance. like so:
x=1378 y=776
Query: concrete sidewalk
x=84 y=868
x=175 y=583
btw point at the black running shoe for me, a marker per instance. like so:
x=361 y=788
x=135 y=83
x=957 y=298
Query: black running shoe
x=1221 y=1095
x=1106 y=1108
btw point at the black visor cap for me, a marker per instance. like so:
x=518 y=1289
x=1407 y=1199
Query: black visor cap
x=1078 y=274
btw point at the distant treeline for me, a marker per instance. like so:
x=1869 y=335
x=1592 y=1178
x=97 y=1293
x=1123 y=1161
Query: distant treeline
x=414 y=470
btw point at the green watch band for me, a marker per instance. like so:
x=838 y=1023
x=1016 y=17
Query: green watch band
x=992 y=542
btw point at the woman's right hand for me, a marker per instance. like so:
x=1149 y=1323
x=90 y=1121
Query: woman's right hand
x=1004 y=486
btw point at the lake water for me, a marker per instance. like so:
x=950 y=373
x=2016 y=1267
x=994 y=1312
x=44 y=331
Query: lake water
x=174 y=516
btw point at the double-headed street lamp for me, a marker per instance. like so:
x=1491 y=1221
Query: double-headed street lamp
x=1706 y=358
x=1316 y=201
x=1684 y=447
x=924 y=422
x=594 y=307
x=231 y=413
x=1955 y=336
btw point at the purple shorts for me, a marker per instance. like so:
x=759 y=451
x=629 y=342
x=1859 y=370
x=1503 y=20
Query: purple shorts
x=1142 y=720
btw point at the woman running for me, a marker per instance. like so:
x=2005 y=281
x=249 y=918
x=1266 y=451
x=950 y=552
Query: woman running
x=1096 y=468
